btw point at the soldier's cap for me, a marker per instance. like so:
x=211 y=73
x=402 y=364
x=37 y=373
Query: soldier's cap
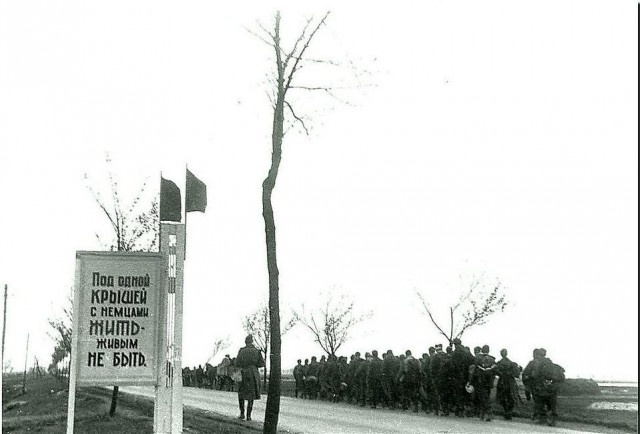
x=457 y=341
x=438 y=347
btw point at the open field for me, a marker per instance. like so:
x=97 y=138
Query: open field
x=44 y=409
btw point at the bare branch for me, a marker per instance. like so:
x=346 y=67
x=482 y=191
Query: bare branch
x=325 y=88
x=428 y=311
x=297 y=118
x=271 y=44
x=302 y=51
x=295 y=45
x=336 y=322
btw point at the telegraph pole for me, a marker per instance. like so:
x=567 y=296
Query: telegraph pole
x=24 y=378
x=4 y=322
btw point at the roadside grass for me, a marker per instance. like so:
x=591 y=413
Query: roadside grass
x=43 y=409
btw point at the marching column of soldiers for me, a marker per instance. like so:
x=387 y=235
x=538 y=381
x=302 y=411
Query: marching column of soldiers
x=450 y=382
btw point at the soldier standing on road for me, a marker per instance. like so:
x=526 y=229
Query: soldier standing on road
x=248 y=361
x=485 y=375
x=361 y=380
x=311 y=380
x=322 y=377
x=389 y=370
x=298 y=376
x=473 y=380
x=430 y=388
x=412 y=376
x=350 y=377
x=333 y=378
x=507 y=388
x=399 y=383
x=461 y=360
x=438 y=371
x=374 y=379
x=527 y=380
x=546 y=377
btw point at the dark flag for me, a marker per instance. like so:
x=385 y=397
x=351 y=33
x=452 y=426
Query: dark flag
x=170 y=202
x=196 y=195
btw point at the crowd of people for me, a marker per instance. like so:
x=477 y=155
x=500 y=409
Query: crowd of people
x=225 y=376
x=453 y=381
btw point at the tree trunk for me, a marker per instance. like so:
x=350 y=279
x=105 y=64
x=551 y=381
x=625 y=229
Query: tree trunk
x=272 y=411
x=114 y=401
x=266 y=346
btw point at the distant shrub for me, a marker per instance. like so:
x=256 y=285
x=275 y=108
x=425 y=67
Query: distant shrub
x=579 y=386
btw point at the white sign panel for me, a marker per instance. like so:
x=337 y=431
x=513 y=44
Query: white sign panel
x=117 y=309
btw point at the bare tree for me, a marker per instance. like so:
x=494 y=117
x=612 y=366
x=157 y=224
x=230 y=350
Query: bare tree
x=258 y=325
x=134 y=228
x=136 y=224
x=288 y=64
x=219 y=345
x=61 y=333
x=479 y=301
x=332 y=323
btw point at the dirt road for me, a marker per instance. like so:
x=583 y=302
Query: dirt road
x=303 y=416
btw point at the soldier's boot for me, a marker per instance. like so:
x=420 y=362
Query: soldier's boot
x=249 y=409
x=241 y=405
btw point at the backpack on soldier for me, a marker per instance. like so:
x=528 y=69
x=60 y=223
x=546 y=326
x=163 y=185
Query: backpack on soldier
x=557 y=373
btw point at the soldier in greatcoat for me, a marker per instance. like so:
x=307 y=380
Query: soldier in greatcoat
x=507 y=390
x=374 y=379
x=485 y=376
x=546 y=379
x=412 y=377
x=248 y=361
x=389 y=370
x=298 y=376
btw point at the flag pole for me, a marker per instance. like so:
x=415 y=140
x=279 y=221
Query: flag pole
x=159 y=216
x=186 y=170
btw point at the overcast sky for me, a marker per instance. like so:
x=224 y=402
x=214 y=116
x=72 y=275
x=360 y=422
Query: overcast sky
x=495 y=137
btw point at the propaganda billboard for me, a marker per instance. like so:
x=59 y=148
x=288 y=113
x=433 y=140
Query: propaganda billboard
x=117 y=314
